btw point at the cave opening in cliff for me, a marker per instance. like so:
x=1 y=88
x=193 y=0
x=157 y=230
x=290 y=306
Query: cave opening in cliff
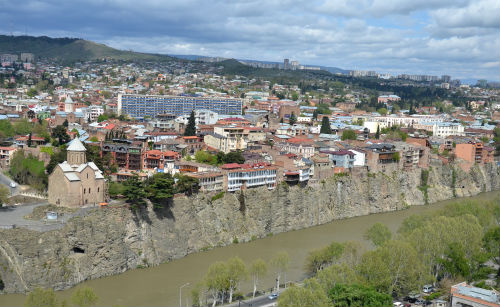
x=2 y=285
x=78 y=250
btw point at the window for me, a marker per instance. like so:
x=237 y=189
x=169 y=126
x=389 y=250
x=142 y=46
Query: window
x=83 y=190
x=89 y=190
x=97 y=190
x=87 y=175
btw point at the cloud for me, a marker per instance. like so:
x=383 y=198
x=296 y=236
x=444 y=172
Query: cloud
x=456 y=37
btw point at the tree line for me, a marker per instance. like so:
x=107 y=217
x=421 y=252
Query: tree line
x=444 y=247
x=222 y=281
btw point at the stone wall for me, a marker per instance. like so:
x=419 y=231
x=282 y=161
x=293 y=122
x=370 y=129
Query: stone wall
x=111 y=241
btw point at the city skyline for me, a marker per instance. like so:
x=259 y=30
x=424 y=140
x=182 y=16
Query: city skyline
x=458 y=38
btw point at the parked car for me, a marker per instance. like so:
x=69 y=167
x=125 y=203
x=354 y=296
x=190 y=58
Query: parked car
x=412 y=297
x=273 y=296
x=397 y=304
x=12 y=184
x=428 y=289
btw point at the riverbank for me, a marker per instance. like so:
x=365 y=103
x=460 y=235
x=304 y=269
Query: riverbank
x=112 y=241
x=159 y=285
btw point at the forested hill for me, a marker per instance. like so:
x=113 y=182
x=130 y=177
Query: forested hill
x=69 y=50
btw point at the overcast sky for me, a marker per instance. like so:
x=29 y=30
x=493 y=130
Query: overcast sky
x=456 y=37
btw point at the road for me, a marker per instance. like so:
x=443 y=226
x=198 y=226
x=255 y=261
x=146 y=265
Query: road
x=6 y=182
x=259 y=301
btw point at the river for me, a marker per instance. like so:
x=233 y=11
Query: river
x=159 y=285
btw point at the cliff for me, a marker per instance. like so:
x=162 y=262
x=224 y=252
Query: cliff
x=111 y=241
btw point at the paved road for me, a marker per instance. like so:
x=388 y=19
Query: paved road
x=260 y=301
x=6 y=182
x=13 y=215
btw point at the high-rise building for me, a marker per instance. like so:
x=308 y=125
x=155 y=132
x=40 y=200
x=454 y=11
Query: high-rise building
x=286 y=64
x=139 y=106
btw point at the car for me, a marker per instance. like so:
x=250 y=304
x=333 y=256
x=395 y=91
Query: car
x=273 y=296
x=419 y=302
x=428 y=289
x=397 y=304
x=12 y=184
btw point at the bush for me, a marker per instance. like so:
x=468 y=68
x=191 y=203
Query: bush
x=218 y=196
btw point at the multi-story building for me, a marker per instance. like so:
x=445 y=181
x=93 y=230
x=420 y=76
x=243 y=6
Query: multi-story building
x=382 y=157
x=474 y=152
x=6 y=154
x=441 y=129
x=127 y=154
x=92 y=113
x=139 y=106
x=156 y=159
x=341 y=158
x=228 y=138
x=243 y=176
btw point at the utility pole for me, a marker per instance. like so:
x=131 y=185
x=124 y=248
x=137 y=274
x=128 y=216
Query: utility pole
x=180 y=293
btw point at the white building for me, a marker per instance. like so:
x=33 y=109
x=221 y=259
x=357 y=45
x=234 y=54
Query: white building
x=202 y=117
x=442 y=129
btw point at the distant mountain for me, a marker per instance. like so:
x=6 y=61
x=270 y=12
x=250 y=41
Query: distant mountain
x=70 y=49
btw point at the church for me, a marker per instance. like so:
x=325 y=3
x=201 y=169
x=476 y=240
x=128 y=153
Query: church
x=76 y=182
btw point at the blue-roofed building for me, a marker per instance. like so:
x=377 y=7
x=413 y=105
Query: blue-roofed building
x=463 y=294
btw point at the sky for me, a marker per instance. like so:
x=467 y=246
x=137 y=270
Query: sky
x=460 y=38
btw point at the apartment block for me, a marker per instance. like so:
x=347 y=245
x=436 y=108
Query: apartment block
x=139 y=106
x=243 y=176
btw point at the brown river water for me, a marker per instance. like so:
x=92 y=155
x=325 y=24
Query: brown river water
x=159 y=285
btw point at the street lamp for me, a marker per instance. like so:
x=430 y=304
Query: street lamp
x=180 y=293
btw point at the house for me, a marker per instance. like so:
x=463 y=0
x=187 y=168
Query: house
x=228 y=138
x=382 y=157
x=76 y=182
x=298 y=146
x=341 y=158
x=210 y=181
x=463 y=294
x=243 y=176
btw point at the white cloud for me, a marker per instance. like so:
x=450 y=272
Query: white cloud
x=456 y=37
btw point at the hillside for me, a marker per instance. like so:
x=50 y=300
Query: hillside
x=234 y=67
x=70 y=49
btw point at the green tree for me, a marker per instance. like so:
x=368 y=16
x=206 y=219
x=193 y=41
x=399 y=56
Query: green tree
x=84 y=297
x=191 y=125
x=134 y=192
x=377 y=134
x=217 y=281
x=4 y=194
x=293 y=119
x=234 y=157
x=237 y=272
x=258 y=269
x=378 y=234
x=58 y=157
x=348 y=134
x=325 y=126
x=395 y=267
x=357 y=295
x=320 y=258
x=303 y=297
x=382 y=111
x=6 y=128
x=315 y=115
x=59 y=133
x=116 y=188
x=280 y=263
x=342 y=273
x=102 y=118
x=160 y=189
x=41 y=298
x=295 y=96
x=29 y=140
x=186 y=184
x=491 y=243
x=202 y=156
x=65 y=123
x=94 y=139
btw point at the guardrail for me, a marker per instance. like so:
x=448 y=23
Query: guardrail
x=34 y=195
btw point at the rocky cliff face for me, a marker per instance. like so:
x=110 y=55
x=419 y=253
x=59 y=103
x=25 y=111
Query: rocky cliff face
x=111 y=241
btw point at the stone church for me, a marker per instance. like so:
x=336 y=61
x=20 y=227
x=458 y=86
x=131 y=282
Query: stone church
x=76 y=182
